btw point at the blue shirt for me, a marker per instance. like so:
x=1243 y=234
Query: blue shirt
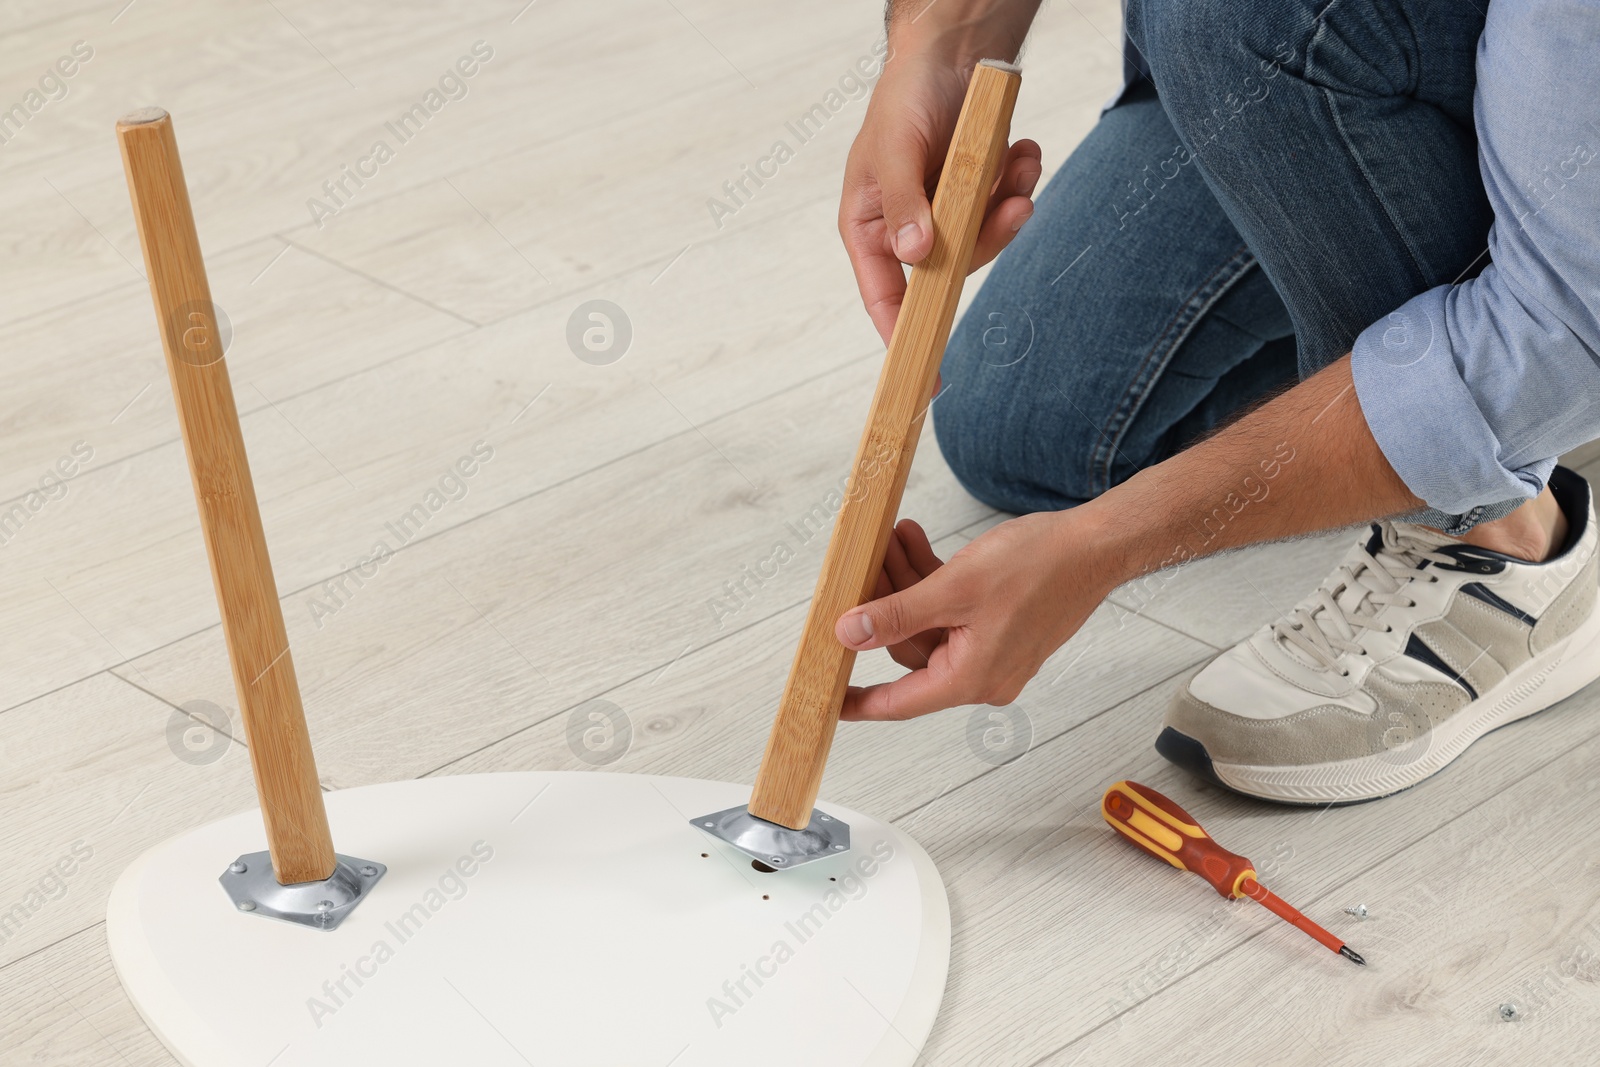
x=1472 y=390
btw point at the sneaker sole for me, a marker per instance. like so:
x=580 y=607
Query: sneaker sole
x=1532 y=688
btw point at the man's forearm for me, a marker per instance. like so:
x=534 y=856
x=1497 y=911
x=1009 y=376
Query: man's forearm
x=1303 y=462
x=965 y=30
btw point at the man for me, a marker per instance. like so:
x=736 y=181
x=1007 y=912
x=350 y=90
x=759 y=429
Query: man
x=1393 y=203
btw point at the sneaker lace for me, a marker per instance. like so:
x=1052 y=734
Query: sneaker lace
x=1352 y=599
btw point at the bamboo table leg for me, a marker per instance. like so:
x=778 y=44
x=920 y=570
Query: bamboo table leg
x=252 y=620
x=802 y=733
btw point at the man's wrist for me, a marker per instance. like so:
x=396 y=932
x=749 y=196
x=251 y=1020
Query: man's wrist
x=1096 y=541
x=959 y=32
x=1137 y=527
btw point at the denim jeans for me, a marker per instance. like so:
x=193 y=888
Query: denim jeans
x=1291 y=172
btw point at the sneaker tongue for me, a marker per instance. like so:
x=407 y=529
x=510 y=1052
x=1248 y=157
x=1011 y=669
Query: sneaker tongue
x=1353 y=593
x=1428 y=537
x=1351 y=596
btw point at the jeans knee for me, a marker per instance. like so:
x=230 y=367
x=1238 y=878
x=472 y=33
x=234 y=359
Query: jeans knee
x=1211 y=59
x=1006 y=434
x=976 y=443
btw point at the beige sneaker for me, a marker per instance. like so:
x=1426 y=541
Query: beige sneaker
x=1414 y=648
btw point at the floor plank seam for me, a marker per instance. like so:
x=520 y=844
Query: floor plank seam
x=381 y=283
x=100 y=296
x=46 y=948
x=245 y=412
x=979 y=522
x=721 y=236
x=1138 y=613
x=1049 y=740
x=64 y=686
x=177 y=707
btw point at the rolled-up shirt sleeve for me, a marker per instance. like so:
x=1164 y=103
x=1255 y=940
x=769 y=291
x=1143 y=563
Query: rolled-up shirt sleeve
x=1472 y=390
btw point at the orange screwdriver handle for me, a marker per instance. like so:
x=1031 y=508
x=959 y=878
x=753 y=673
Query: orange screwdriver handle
x=1167 y=832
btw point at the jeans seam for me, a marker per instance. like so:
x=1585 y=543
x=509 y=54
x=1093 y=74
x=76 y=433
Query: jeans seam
x=1159 y=356
x=1327 y=96
x=1413 y=53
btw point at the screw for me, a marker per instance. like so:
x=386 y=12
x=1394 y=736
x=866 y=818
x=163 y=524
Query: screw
x=777 y=861
x=708 y=824
x=1359 y=911
x=247 y=905
x=369 y=871
x=1508 y=1011
x=324 y=905
x=827 y=818
x=838 y=848
x=238 y=867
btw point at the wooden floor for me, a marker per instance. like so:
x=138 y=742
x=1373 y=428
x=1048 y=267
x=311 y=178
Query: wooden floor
x=587 y=559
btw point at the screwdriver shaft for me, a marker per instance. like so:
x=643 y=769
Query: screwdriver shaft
x=1288 y=913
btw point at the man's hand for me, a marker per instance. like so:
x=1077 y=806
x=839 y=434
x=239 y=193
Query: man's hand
x=885 y=217
x=976 y=629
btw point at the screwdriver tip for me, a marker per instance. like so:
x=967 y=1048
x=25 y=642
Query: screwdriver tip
x=1351 y=954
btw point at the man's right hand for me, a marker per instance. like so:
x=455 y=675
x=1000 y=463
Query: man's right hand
x=884 y=214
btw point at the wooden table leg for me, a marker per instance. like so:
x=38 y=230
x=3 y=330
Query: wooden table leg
x=797 y=749
x=252 y=620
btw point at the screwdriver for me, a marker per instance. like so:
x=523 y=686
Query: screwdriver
x=1167 y=832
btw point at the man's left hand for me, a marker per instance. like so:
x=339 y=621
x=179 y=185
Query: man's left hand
x=976 y=629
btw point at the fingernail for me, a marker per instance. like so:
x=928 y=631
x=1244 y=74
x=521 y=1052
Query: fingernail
x=1015 y=226
x=858 y=628
x=905 y=238
x=1026 y=188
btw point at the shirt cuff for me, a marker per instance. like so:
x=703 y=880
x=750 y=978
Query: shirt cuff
x=1424 y=417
